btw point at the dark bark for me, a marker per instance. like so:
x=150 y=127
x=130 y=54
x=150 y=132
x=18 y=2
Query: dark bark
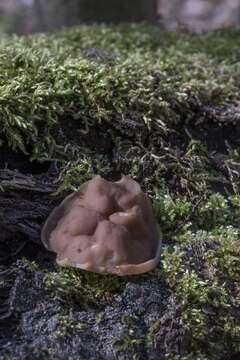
x=25 y=202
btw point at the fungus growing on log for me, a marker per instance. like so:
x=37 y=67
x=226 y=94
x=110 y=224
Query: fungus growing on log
x=105 y=227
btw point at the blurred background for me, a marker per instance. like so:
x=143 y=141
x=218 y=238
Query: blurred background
x=28 y=16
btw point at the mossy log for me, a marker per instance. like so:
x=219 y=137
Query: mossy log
x=135 y=100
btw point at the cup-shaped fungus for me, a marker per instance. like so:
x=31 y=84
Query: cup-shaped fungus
x=105 y=227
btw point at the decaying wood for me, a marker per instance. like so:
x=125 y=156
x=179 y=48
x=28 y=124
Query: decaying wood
x=14 y=180
x=25 y=202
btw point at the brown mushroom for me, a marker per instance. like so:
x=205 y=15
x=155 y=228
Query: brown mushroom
x=105 y=227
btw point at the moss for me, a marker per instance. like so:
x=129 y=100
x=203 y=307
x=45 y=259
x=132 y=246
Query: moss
x=31 y=266
x=82 y=289
x=160 y=107
x=74 y=174
x=67 y=327
x=203 y=272
x=201 y=268
x=179 y=216
x=41 y=85
x=127 y=343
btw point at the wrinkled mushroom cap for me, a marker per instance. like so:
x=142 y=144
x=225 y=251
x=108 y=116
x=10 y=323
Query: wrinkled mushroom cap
x=105 y=227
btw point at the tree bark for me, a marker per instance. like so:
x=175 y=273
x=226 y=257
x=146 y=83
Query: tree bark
x=25 y=202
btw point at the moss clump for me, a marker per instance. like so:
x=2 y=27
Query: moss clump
x=82 y=289
x=67 y=327
x=74 y=174
x=162 y=108
x=177 y=215
x=47 y=79
x=203 y=272
x=201 y=268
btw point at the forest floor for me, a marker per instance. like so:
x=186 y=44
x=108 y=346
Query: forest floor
x=163 y=108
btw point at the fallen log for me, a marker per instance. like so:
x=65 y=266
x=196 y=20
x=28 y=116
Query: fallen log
x=25 y=202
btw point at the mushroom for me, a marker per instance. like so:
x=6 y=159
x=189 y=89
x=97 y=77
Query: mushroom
x=105 y=227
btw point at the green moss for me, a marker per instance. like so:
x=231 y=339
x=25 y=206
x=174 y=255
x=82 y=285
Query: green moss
x=201 y=268
x=29 y=265
x=53 y=95
x=179 y=216
x=74 y=174
x=46 y=79
x=82 y=289
x=127 y=344
x=204 y=274
x=67 y=327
